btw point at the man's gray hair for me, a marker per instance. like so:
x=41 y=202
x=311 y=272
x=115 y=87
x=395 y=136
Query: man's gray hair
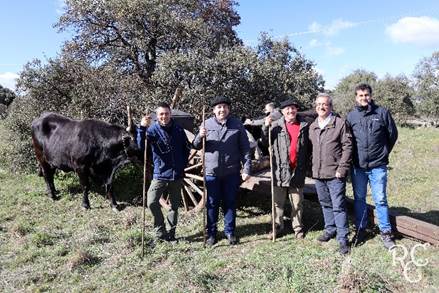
x=325 y=95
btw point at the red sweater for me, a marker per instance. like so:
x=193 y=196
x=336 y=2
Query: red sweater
x=293 y=130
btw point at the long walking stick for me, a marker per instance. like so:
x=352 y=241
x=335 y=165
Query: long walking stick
x=203 y=155
x=273 y=210
x=145 y=157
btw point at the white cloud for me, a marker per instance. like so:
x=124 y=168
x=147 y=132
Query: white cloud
x=8 y=79
x=328 y=47
x=331 y=29
x=422 y=30
x=314 y=43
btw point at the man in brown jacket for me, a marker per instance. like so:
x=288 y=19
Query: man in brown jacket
x=331 y=158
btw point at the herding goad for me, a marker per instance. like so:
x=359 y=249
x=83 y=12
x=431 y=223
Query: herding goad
x=93 y=149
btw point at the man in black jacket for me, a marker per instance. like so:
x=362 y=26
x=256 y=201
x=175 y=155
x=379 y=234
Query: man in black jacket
x=375 y=134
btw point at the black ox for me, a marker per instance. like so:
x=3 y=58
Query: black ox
x=93 y=149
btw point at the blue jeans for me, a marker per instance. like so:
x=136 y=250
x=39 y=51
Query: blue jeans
x=222 y=189
x=377 y=178
x=331 y=193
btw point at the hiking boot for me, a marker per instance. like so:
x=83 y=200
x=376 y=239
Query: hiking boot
x=300 y=235
x=325 y=237
x=171 y=238
x=344 y=248
x=211 y=241
x=232 y=239
x=359 y=237
x=387 y=239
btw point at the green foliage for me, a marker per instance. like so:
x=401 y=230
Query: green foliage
x=426 y=77
x=139 y=52
x=132 y=34
x=16 y=151
x=250 y=77
x=395 y=94
x=6 y=98
x=344 y=92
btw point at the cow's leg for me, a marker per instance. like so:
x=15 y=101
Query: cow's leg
x=85 y=183
x=48 y=174
x=110 y=195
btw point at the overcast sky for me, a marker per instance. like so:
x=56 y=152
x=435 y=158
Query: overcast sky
x=386 y=36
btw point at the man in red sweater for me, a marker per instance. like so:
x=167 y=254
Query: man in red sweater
x=291 y=149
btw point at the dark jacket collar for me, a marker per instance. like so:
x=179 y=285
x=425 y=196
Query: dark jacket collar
x=367 y=109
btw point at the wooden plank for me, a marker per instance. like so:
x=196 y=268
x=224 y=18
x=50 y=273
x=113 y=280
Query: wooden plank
x=191 y=195
x=196 y=177
x=193 y=167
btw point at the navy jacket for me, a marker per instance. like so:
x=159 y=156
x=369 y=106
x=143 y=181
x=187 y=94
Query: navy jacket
x=227 y=147
x=170 y=149
x=374 y=133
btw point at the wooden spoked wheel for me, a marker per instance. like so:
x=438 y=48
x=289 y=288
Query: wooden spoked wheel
x=192 y=191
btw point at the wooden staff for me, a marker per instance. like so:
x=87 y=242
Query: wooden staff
x=203 y=155
x=145 y=173
x=130 y=122
x=273 y=210
x=145 y=157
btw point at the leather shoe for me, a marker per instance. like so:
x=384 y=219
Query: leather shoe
x=344 y=248
x=211 y=241
x=325 y=237
x=232 y=239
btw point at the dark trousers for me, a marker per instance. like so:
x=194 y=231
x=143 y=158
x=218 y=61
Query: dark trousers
x=331 y=193
x=155 y=191
x=222 y=190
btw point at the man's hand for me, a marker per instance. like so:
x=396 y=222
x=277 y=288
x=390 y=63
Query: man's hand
x=248 y=122
x=203 y=132
x=245 y=177
x=338 y=175
x=268 y=120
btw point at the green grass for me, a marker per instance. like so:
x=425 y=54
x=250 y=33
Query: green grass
x=57 y=246
x=413 y=182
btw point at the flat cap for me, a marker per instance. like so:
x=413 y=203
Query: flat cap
x=290 y=101
x=219 y=100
